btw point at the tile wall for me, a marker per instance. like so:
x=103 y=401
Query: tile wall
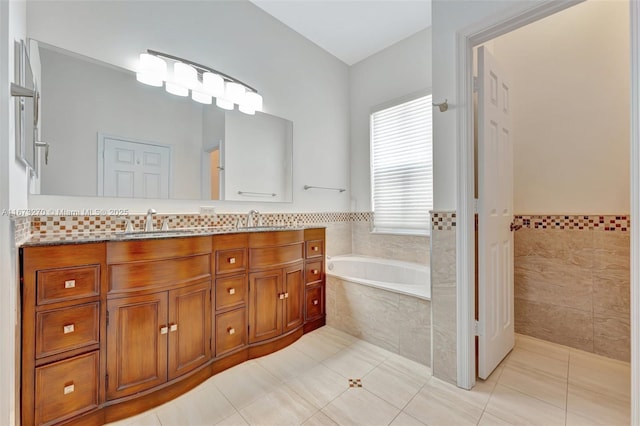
x=572 y=282
x=408 y=248
x=443 y=295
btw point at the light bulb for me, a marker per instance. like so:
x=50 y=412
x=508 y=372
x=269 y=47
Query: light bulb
x=176 y=89
x=246 y=109
x=234 y=92
x=213 y=84
x=253 y=100
x=185 y=75
x=201 y=97
x=152 y=70
x=224 y=103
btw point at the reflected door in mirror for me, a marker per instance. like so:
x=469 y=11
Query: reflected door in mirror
x=134 y=169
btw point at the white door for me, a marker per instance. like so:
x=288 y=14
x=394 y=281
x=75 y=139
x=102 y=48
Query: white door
x=495 y=215
x=133 y=169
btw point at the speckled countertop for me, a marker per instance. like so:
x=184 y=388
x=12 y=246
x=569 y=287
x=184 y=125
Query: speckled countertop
x=94 y=237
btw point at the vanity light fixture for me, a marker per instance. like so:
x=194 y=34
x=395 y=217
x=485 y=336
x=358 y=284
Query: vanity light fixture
x=203 y=82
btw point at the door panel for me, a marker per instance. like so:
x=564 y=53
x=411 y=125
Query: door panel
x=134 y=169
x=293 y=308
x=136 y=346
x=495 y=215
x=265 y=316
x=189 y=328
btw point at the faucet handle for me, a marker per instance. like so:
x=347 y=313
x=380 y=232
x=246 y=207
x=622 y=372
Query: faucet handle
x=239 y=223
x=128 y=226
x=151 y=211
x=165 y=224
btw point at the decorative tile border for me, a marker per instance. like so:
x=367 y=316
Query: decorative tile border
x=22 y=229
x=616 y=223
x=75 y=224
x=443 y=220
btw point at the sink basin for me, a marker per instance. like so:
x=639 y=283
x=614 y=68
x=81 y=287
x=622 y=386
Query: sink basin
x=154 y=234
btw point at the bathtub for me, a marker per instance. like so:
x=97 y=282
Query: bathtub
x=381 y=301
x=407 y=278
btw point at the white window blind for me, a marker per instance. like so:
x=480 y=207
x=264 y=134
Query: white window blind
x=402 y=167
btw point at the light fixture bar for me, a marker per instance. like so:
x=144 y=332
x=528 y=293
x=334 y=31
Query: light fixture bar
x=201 y=67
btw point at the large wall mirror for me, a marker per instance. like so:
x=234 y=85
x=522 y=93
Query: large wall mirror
x=112 y=136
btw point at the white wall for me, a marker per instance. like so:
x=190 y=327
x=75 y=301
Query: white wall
x=399 y=70
x=299 y=81
x=571 y=86
x=13 y=195
x=449 y=17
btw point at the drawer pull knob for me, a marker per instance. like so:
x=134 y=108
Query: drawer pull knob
x=232 y=291
x=314 y=271
x=70 y=284
x=173 y=327
x=315 y=302
x=69 y=328
x=232 y=260
x=286 y=295
x=231 y=330
x=164 y=329
x=69 y=389
x=315 y=248
x=281 y=296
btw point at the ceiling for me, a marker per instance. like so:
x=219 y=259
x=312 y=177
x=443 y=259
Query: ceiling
x=351 y=30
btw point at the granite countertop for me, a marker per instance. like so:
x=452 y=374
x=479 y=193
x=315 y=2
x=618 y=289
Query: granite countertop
x=93 y=237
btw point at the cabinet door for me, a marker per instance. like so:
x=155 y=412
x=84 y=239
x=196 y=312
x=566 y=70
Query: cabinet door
x=265 y=317
x=293 y=307
x=136 y=344
x=189 y=328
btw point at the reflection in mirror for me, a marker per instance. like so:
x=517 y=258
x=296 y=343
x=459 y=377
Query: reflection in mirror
x=112 y=136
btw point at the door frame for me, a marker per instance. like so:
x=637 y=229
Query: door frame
x=466 y=39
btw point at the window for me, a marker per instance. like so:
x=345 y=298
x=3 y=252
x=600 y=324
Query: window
x=402 y=167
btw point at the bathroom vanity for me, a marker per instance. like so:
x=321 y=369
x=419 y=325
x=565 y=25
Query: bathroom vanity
x=112 y=328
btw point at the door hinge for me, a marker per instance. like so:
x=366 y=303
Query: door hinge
x=107 y=318
x=477 y=330
x=475 y=84
x=475 y=205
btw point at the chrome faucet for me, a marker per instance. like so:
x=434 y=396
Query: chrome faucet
x=249 y=221
x=148 y=223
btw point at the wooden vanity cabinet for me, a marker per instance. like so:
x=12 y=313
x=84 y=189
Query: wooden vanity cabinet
x=231 y=293
x=112 y=329
x=158 y=312
x=314 y=309
x=61 y=329
x=276 y=284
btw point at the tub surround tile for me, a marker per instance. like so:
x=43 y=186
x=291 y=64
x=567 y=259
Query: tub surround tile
x=407 y=248
x=396 y=322
x=338 y=238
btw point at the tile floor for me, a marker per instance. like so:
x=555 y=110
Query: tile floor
x=307 y=383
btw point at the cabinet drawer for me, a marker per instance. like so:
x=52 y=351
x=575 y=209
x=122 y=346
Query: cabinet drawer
x=230 y=261
x=55 y=285
x=231 y=291
x=314 y=272
x=66 y=388
x=231 y=331
x=314 y=248
x=157 y=274
x=65 y=329
x=269 y=257
x=314 y=304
